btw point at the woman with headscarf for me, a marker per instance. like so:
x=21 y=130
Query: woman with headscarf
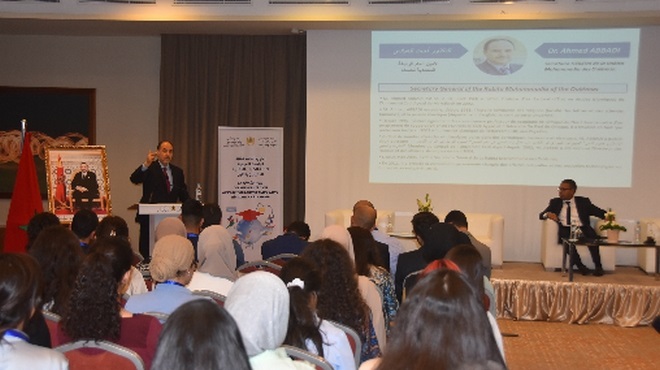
x=170 y=226
x=217 y=261
x=172 y=266
x=259 y=302
x=370 y=292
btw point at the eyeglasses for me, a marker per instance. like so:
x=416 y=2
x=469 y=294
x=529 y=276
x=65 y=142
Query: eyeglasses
x=564 y=189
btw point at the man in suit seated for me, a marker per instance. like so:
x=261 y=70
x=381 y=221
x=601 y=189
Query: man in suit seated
x=568 y=209
x=84 y=187
x=294 y=240
x=498 y=53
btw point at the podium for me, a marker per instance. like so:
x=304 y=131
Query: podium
x=157 y=212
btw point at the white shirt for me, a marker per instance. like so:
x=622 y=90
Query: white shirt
x=17 y=354
x=336 y=349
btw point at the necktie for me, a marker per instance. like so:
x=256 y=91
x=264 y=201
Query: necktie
x=568 y=213
x=167 y=179
x=505 y=70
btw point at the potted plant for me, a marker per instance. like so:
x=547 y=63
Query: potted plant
x=611 y=227
x=424 y=206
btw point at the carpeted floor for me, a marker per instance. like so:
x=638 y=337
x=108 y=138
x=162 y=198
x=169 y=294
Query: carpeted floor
x=555 y=345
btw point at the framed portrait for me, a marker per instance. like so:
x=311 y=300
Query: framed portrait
x=77 y=177
x=54 y=116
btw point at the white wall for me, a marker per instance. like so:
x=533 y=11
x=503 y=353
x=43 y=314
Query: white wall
x=338 y=72
x=125 y=73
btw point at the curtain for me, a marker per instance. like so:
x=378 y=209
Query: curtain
x=208 y=81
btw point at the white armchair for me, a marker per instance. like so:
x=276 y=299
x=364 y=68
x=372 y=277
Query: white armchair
x=646 y=256
x=551 y=251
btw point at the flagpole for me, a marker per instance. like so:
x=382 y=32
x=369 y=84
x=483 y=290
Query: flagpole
x=23 y=128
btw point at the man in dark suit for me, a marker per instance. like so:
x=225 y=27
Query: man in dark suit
x=162 y=182
x=498 y=53
x=568 y=209
x=365 y=217
x=85 y=187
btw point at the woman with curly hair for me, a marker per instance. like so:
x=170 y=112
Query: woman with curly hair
x=367 y=264
x=94 y=310
x=57 y=250
x=339 y=297
x=305 y=329
x=20 y=284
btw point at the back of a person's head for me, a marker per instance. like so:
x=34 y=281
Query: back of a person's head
x=439 y=238
x=39 y=222
x=456 y=218
x=192 y=212
x=20 y=284
x=172 y=256
x=299 y=228
x=302 y=281
x=200 y=335
x=441 y=312
x=93 y=310
x=84 y=223
x=212 y=214
x=112 y=226
x=468 y=258
x=364 y=247
x=58 y=253
x=421 y=221
x=364 y=217
x=170 y=226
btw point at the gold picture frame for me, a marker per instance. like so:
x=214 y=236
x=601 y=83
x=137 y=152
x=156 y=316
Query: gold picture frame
x=77 y=177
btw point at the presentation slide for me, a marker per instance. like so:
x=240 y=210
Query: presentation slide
x=509 y=107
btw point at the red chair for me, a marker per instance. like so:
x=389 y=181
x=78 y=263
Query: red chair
x=282 y=258
x=353 y=340
x=53 y=323
x=259 y=266
x=101 y=355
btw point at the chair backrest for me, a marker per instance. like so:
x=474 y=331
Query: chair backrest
x=409 y=282
x=282 y=258
x=53 y=322
x=161 y=316
x=353 y=340
x=300 y=354
x=259 y=266
x=101 y=355
x=217 y=297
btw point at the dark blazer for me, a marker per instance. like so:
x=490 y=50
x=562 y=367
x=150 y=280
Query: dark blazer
x=88 y=182
x=383 y=252
x=491 y=70
x=285 y=243
x=585 y=209
x=409 y=262
x=154 y=186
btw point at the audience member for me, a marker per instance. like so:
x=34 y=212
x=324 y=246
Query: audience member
x=459 y=220
x=339 y=297
x=259 y=302
x=217 y=262
x=172 y=265
x=366 y=258
x=84 y=225
x=294 y=240
x=200 y=335
x=305 y=329
x=170 y=226
x=394 y=246
x=365 y=217
x=58 y=252
x=192 y=216
x=413 y=261
x=468 y=258
x=115 y=226
x=37 y=223
x=19 y=298
x=213 y=216
x=94 y=311
x=568 y=209
x=441 y=326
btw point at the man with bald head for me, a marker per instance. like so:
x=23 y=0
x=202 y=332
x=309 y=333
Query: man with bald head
x=365 y=217
x=394 y=247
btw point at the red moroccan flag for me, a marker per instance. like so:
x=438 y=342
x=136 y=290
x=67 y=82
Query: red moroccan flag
x=25 y=201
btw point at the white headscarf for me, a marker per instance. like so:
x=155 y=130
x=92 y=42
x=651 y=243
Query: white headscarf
x=170 y=226
x=259 y=302
x=216 y=253
x=341 y=235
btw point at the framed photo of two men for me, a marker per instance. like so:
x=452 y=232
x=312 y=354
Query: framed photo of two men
x=77 y=178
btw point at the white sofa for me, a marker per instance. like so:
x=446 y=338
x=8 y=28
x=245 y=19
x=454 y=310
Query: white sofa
x=646 y=256
x=486 y=227
x=551 y=251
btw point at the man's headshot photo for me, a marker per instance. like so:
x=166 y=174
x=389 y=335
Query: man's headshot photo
x=499 y=56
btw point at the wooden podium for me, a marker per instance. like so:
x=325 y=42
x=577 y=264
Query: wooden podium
x=157 y=212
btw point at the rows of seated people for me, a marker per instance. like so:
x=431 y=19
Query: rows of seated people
x=336 y=298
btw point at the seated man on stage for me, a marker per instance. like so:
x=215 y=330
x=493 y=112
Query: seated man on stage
x=85 y=187
x=568 y=209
